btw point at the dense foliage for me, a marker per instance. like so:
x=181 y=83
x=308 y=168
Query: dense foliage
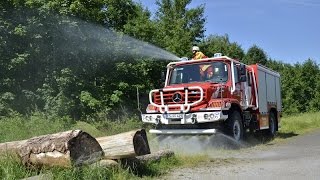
x=73 y=58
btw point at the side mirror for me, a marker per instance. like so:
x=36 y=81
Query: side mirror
x=243 y=78
x=242 y=69
x=163 y=76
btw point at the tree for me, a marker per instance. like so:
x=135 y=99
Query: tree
x=118 y=12
x=221 y=44
x=299 y=87
x=309 y=80
x=57 y=58
x=141 y=27
x=255 y=55
x=179 y=27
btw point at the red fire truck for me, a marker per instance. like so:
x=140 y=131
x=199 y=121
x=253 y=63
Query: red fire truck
x=215 y=94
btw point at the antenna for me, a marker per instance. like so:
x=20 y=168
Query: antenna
x=138 y=100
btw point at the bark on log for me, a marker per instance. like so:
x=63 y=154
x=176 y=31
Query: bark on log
x=141 y=161
x=12 y=146
x=40 y=177
x=61 y=149
x=105 y=163
x=155 y=157
x=125 y=145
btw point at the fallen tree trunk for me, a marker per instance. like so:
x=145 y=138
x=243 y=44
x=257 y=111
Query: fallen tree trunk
x=125 y=145
x=141 y=161
x=61 y=149
x=155 y=157
x=12 y=146
x=105 y=163
x=48 y=176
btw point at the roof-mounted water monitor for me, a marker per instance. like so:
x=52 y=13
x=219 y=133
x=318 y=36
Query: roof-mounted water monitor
x=217 y=55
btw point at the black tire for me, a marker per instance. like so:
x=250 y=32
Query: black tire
x=272 y=131
x=235 y=126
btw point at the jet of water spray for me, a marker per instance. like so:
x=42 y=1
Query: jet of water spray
x=101 y=40
x=192 y=144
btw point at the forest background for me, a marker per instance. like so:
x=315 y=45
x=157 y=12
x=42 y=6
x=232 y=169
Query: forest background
x=84 y=60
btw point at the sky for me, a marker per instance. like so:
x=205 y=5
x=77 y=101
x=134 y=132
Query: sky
x=287 y=30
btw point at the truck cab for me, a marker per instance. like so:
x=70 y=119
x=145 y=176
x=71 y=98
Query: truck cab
x=206 y=96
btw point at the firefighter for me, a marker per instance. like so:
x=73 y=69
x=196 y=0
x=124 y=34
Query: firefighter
x=197 y=54
x=206 y=72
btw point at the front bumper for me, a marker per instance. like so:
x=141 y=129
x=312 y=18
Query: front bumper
x=189 y=118
x=183 y=131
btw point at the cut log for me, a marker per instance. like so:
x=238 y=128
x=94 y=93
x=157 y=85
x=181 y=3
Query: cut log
x=105 y=163
x=62 y=149
x=48 y=176
x=12 y=146
x=141 y=161
x=155 y=157
x=125 y=145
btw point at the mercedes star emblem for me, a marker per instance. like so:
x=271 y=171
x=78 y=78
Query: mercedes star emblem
x=177 y=97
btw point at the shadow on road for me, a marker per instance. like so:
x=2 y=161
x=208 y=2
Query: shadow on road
x=260 y=138
x=282 y=135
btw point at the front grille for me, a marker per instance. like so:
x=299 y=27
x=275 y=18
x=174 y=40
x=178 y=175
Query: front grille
x=193 y=96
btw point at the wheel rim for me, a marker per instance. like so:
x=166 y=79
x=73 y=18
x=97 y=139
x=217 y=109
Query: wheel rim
x=236 y=130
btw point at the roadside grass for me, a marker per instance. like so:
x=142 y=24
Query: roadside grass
x=18 y=128
x=118 y=126
x=157 y=169
x=300 y=123
x=21 y=127
x=12 y=168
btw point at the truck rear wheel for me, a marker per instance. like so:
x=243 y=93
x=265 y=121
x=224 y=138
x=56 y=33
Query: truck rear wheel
x=271 y=132
x=236 y=127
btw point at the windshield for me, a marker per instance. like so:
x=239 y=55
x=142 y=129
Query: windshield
x=215 y=72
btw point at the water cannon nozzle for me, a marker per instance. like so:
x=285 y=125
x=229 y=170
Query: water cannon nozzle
x=184 y=59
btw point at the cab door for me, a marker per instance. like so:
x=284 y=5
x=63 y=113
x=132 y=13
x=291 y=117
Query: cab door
x=248 y=89
x=244 y=86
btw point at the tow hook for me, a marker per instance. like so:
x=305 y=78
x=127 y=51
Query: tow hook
x=194 y=119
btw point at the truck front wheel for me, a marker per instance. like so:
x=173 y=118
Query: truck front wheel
x=236 y=127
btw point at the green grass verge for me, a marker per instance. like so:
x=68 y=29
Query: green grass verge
x=301 y=123
x=18 y=128
x=11 y=168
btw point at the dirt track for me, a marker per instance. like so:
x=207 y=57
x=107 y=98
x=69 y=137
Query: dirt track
x=296 y=158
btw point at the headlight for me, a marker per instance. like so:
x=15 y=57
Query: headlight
x=151 y=108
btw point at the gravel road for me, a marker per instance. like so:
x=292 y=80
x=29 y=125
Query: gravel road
x=296 y=158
